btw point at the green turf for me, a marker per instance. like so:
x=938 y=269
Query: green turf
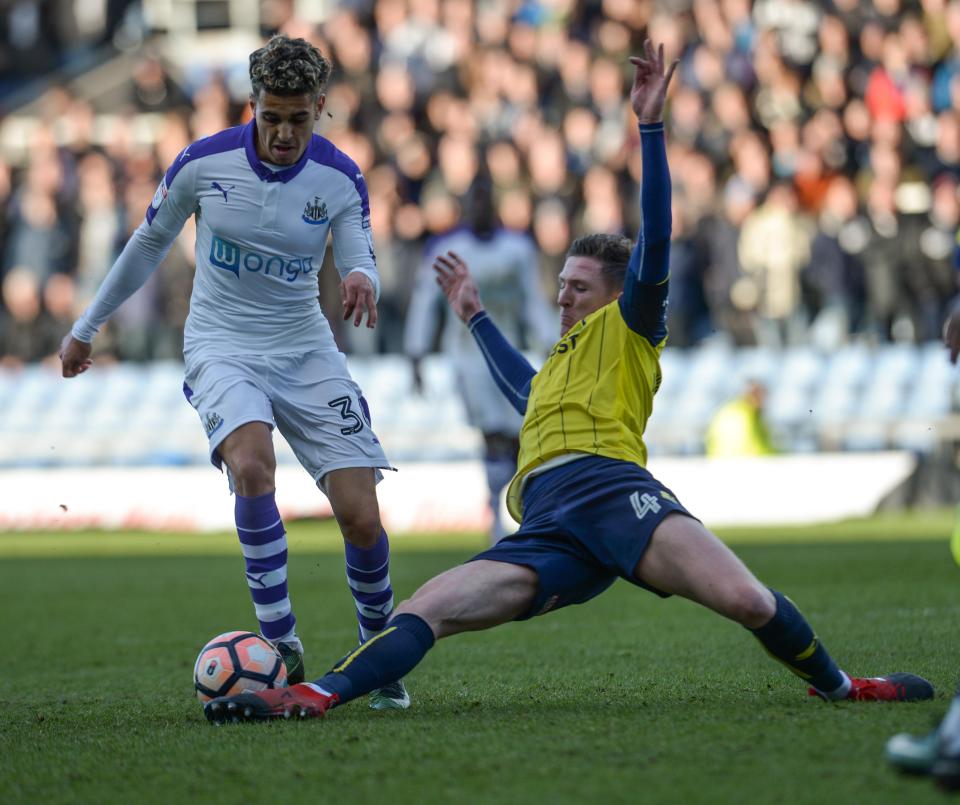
x=307 y=537
x=626 y=699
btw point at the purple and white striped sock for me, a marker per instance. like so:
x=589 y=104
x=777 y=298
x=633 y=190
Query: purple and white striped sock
x=368 y=574
x=264 y=543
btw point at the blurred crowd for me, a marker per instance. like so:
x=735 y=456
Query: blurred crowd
x=815 y=151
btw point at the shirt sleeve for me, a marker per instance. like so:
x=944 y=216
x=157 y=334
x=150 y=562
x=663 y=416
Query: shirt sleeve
x=511 y=371
x=353 y=238
x=644 y=300
x=174 y=202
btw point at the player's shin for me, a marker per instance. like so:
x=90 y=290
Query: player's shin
x=368 y=574
x=383 y=659
x=788 y=638
x=264 y=543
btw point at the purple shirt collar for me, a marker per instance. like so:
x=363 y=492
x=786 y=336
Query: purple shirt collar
x=267 y=175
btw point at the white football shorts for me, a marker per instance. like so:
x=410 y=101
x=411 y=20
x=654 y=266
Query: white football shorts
x=309 y=397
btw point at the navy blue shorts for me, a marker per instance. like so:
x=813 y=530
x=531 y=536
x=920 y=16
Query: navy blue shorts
x=585 y=524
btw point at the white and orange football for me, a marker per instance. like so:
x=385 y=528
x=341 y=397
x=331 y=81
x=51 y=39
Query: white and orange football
x=236 y=662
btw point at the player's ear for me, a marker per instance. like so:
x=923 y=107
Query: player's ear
x=321 y=100
x=253 y=104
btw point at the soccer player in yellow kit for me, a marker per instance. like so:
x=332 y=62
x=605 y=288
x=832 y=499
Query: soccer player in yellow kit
x=590 y=512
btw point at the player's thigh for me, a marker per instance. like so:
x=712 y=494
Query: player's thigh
x=249 y=446
x=473 y=596
x=227 y=394
x=684 y=558
x=353 y=498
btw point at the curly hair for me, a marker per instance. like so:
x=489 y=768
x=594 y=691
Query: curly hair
x=613 y=252
x=286 y=66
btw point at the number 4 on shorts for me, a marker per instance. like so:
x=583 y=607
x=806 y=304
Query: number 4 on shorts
x=644 y=503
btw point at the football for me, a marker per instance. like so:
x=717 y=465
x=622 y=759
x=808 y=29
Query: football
x=235 y=662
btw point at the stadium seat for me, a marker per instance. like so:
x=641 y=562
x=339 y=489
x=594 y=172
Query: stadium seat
x=859 y=398
x=759 y=363
x=788 y=405
x=800 y=367
x=849 y=367
x=833 y=404
x=674 y=364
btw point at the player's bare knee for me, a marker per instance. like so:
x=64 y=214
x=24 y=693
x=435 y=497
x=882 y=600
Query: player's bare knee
x=360 y=528
x=422 y=610
x=253 y=475
x=751 y=605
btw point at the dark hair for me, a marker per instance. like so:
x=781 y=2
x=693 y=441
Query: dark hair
x=613 y=252
x=481 y=205
x=286 y=66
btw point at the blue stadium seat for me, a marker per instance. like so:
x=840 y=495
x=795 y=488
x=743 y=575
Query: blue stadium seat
x=896 y=364
x=759 y=363
x=674 y=364
x=849 y=367
x=789 y=405
x=859 y=398
x=833 y=404
x=801 y=367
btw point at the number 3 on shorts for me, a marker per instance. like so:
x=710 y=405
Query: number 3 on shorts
x=345 y=406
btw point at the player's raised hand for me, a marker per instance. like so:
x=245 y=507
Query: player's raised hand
x=356 y=293
x=650 y=82
x=74 y=356
x=454 y=278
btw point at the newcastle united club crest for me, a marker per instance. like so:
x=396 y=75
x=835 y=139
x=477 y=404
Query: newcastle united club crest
x=315 y=212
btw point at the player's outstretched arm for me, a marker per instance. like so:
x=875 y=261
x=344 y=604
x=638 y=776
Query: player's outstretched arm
x=139 y=259
x=650 y=82
x=643 y=303
x=174 y=202
x=511 y=371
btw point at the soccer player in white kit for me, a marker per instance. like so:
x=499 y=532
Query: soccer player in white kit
x=503 y=262
x=258 y=351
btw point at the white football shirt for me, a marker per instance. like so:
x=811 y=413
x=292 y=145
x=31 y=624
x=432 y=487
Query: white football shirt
x=261 y=238
x=504 y=267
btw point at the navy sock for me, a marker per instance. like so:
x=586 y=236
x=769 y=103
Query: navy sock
x=788 y=638
x=385 y=658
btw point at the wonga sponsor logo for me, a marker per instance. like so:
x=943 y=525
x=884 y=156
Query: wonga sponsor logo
x=231 y=257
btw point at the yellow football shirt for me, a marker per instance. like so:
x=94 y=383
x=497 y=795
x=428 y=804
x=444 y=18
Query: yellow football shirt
x=593 y=395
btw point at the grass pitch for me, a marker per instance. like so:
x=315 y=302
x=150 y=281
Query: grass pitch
x=626 y=699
